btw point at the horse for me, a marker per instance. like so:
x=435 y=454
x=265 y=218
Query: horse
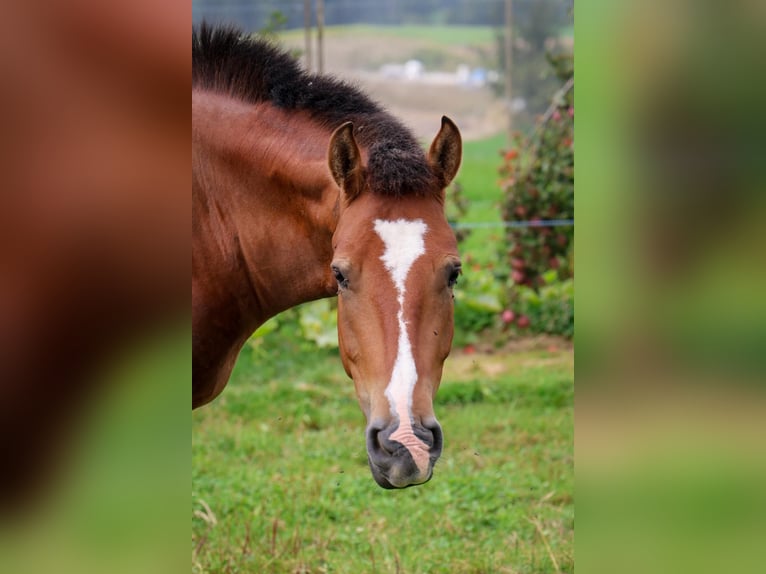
x=303 y=188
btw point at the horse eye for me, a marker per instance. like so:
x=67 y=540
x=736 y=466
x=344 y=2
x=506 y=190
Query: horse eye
x=339 y=277
x=454 y=274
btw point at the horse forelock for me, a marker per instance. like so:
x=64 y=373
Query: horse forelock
x=395 y=170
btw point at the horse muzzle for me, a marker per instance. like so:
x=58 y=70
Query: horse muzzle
x=403 y=455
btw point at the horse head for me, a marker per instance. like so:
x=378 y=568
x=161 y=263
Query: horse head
x=395 y=262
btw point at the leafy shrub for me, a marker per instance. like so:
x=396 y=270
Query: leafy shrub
x=313 y=324
x=549 y=309
x=478 y=301
x=319 y=322
x=538 y=184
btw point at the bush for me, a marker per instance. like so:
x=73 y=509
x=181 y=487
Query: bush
x=538 y=184
x=478 y=301
x=548 y=310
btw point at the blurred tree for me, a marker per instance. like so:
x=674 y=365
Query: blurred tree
x=537 y=29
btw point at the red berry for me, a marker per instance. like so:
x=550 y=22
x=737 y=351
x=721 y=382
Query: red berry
x=523 y=321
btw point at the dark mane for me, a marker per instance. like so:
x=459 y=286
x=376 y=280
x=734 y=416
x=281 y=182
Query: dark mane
x=226 y=61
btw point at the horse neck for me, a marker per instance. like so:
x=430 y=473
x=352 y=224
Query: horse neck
x=264 y=207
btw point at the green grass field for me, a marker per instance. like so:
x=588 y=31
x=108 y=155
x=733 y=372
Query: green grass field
x=281 y=483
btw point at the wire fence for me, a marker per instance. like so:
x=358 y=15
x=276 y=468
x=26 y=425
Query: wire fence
x=510 y=224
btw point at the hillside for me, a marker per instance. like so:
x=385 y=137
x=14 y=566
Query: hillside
x=373 y=58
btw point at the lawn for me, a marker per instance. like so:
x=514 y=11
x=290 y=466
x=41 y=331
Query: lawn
x=281 y=483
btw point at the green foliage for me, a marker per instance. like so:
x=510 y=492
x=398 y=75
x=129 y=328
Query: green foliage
x=538 y=184
x=313 y=324
x=319 y=322
x=277 y=22
x=274 y=28
x=478 y=301
x=550 y=309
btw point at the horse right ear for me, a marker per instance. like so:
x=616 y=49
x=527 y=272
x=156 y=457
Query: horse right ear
x=345 y=162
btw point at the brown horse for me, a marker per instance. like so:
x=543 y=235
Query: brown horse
x=280 y=218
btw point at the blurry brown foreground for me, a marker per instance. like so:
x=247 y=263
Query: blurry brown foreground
x=94 y=241
x=671 y=296
x=94 y=264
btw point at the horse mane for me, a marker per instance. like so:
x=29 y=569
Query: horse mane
x=252 y=69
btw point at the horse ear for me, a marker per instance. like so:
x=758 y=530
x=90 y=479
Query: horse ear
x=446 y=151
x=345 y=162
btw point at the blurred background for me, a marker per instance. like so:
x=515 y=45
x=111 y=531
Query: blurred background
x=420 y=57
x=280 y=474
x=671 y=313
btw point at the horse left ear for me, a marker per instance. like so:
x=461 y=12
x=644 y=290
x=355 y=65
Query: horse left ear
x=446 y=151
x=345 y=162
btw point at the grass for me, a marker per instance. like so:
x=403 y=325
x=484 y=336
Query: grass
x=281 y=483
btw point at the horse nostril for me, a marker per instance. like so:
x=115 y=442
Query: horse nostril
x=375 y=443
x=437 y=439
x=426 y=436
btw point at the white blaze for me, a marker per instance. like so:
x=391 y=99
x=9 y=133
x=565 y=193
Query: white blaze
x=403 y=240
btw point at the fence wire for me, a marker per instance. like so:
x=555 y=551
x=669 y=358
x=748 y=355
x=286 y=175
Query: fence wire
x=510 y=224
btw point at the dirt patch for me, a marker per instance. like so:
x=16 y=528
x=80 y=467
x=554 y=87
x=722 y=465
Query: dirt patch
x=526 y=344
x=489 y=362
x=466 y=367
